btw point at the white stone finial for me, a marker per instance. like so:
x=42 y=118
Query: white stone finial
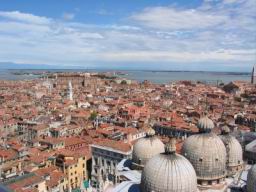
x=170 y=147
x=150 y=132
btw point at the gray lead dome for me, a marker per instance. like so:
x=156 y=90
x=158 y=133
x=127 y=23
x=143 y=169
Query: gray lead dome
x=251 y=179
x=168 y=172
x=207 y=153
x=146 y=148
x=234 y=153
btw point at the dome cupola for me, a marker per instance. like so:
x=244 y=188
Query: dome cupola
x=168 y=171
x=205 y=125
x=251 y=179
x=234 y=152
x=147 y=147
x=207 y=153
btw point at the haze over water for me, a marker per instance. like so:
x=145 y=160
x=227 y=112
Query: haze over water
x=139 y=75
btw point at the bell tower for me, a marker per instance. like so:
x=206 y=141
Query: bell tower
x=70 y=91
x=253 y=78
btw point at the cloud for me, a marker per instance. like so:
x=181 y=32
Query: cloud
x=68 y=16
x=232 y=1
x=104 y=12
x=216 y=33
x=169 y=18
x=182 y=57
x=25 y=17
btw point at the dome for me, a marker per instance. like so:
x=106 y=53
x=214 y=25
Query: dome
x=205 y=124
x=251 y=179
x=168 y=172
x=207 y=154
x=147 y=147
x=234 y=153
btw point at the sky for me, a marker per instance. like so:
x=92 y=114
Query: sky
x=210 y=35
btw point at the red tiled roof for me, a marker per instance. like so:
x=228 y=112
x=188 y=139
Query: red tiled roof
x=117 y=145
x=25 y=182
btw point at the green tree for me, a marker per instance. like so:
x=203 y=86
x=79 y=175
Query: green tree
x=93 y=116
x=123 y=82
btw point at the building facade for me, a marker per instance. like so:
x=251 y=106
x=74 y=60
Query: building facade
x=105 y=157
x=74 y=167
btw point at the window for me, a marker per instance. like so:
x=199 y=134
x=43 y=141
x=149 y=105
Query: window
x=200 y=160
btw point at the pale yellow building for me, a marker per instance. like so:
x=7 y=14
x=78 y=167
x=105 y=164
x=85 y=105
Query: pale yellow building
x=74 y=167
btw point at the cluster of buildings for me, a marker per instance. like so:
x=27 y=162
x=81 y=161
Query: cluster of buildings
x=98 y=132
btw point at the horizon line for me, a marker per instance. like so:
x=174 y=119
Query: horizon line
x=143 y=70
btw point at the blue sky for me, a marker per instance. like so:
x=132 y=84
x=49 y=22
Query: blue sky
x=216 y=35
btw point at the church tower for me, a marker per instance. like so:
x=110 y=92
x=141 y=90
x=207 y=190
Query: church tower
x=70 y=91
x=253 y=78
